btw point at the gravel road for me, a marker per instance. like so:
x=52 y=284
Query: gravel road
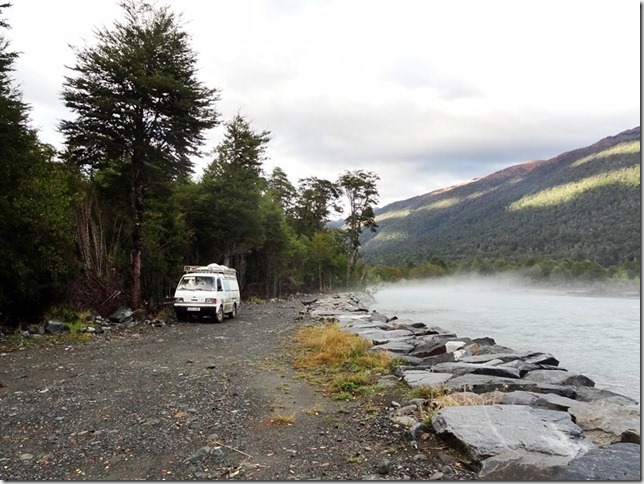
x=196 y=401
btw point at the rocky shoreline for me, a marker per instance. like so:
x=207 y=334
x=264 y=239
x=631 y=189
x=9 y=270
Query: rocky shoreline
x=518 y=415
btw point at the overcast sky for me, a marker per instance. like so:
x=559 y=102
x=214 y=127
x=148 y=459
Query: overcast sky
x=425 y=93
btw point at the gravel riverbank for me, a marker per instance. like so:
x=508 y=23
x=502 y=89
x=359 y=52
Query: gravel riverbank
x=197 y=401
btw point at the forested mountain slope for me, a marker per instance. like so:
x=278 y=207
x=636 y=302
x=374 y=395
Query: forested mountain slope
x=583 y=204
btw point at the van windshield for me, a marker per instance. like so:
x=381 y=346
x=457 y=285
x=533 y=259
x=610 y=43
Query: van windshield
x=197 y=283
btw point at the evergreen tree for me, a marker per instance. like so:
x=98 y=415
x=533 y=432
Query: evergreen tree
x=139 y=109
x=35 y=201
x=228 y=221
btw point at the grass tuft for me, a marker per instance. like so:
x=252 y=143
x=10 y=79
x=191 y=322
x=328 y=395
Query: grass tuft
x=340 y=361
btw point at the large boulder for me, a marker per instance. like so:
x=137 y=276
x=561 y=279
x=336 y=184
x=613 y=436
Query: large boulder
x=559 y=377
x=417 y=378
x=608 y=421
x=488 y=430
x=437 y=344
x=459 y=368
x=617 y=462
x=521 y=466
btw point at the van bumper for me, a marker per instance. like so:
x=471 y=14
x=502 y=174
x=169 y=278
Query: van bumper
x=186 y=311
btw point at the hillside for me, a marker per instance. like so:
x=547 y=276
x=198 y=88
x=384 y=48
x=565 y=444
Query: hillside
x=583 y=204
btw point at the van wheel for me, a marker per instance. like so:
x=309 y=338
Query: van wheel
x=233 y=313
x=219 y=315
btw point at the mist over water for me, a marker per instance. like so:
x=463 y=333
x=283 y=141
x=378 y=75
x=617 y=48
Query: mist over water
x=596 y=335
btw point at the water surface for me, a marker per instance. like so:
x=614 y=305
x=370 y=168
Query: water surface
x=598 y=336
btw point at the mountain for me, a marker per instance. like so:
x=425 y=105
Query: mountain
x=580 y=205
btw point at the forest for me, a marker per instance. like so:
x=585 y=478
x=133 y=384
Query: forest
x=113 y=217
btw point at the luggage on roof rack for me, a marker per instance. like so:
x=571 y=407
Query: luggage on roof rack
x=216 y=268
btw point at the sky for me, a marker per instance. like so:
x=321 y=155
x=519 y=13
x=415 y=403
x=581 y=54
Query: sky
x=424 y=93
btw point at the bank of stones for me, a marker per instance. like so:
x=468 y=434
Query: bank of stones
x=517 y=414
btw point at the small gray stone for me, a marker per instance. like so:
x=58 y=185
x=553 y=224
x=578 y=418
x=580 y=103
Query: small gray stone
x=383 y=467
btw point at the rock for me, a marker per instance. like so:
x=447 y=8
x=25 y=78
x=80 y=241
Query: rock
x=55 y=327
x=122 y=315
x=466 y=398
x=559 y=377
x=383 y=467
x=394 y=347
x=549 y=401
x=486 y=341
x=591 y=394
x=459 y=368
x=388 y=381
x=404 y=420
x=309 y=300
x=521 y=466
x=430 y=361
x=608 y=421
x=488 y=430
x=416 y=378
x=489 y=383
x=495 y=349
x=617 y=462
x=378 y=336
x=452 y=346
x=436 y=476
x=418 y=428
x=376 y=316
x=434 y=345
x=406 y=410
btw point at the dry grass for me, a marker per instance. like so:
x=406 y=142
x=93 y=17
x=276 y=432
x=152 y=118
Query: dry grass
x=283 y=420
x=340 y=361
x=438 y=398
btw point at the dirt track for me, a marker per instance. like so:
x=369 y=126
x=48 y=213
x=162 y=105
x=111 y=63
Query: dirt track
x=194 y=401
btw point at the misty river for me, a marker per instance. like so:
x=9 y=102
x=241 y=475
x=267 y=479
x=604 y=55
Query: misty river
x=598 y=336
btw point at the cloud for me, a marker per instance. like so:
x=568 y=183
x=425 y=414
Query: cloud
x=425 y=93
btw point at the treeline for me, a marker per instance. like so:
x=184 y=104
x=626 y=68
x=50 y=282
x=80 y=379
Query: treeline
x=557 y=271
x=113 y=217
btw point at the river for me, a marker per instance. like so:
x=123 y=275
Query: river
x=598 y=336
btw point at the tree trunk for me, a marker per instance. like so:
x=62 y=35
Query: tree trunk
x=137 y=233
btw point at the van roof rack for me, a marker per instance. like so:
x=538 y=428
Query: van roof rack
x=216 y=268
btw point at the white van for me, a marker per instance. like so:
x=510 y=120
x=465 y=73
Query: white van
x=207 y=292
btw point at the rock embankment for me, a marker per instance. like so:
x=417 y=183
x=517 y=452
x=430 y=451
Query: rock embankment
x=517 y=414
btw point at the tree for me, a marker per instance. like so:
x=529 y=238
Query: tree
x=360 y=189
x=316 y=199
x=139 y=109
x=36 y=233
x=282 y=190
x=228 y=219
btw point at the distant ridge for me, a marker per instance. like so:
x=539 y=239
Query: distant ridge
x=580 y=205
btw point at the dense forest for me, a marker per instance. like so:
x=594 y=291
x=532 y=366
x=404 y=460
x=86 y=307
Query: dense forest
x=112 y=218
x=574 y=216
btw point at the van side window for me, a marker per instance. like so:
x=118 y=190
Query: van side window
x=219 y=284
x=226 y=285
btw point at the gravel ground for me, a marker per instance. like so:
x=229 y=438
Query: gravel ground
x=198 y=401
